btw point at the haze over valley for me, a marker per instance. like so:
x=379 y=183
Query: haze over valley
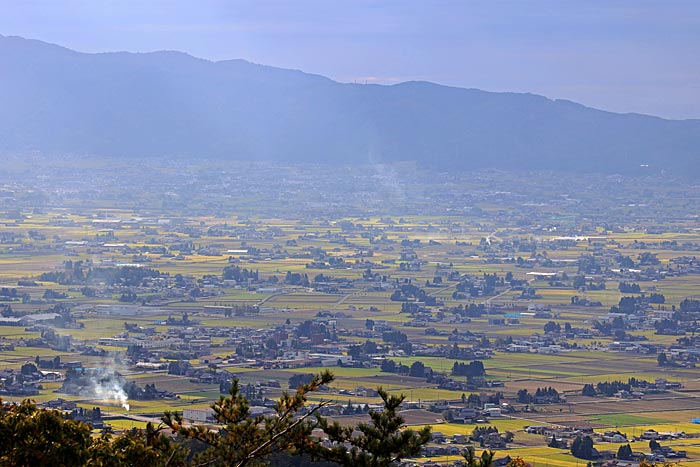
x=218 y=262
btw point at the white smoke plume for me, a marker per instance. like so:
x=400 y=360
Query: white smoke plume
x=106 y=384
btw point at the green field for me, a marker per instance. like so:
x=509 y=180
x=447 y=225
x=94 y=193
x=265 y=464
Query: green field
x=437 y=250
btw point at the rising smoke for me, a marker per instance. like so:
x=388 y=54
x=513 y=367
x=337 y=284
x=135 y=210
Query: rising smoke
x=105 y=384
x=112 y=388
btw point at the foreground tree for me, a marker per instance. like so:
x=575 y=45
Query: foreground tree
x=486 y=459
x=32 y=436
x=646 y=463
x=381 y=443
x=246 y=439
x=518 y=462
x=138 y=448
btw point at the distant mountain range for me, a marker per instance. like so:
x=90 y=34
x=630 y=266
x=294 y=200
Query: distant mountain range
x=134 y=105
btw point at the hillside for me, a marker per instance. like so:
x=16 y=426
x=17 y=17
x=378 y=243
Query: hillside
x=57 y=101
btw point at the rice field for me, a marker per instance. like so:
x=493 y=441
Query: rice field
x=566 y=371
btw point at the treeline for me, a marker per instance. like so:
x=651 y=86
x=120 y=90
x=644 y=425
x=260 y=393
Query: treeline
x=626 y=287
x=470 y=370
x=487 y=286
x=390 y=366
x=609 y=388
x=417 y=369
x=690 y=305
x=240 y=310
x=75 y=273
x=8 y=292
x=467 y=311
x=295 y=278
x=631 y=305
x=239 y=275
x=394 y=337
x=545 y=395
x=407 y=292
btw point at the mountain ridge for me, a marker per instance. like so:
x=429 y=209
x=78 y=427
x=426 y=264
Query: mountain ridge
x=124 y=104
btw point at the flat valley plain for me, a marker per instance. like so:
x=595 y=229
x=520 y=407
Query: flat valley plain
x=297 y=266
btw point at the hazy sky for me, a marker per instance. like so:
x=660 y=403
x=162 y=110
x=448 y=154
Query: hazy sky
x=625 y=56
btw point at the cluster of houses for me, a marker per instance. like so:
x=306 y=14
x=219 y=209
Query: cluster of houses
x=562 y=437
x=17 y=383
x=442 y=445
